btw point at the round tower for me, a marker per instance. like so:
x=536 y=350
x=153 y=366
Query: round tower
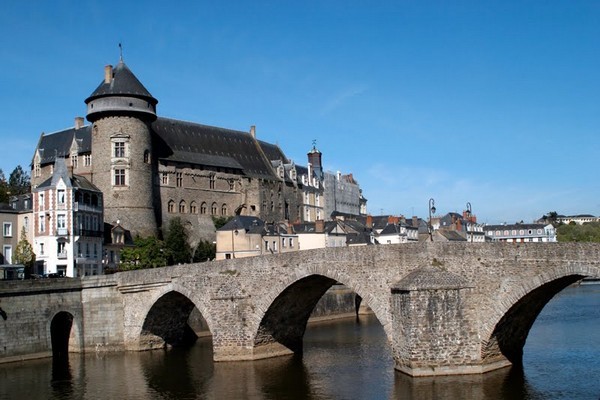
x=121 y=111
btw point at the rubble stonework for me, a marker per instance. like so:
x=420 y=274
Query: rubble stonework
x=446 y=308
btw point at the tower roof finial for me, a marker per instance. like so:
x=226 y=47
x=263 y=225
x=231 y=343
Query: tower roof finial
x=120 y=52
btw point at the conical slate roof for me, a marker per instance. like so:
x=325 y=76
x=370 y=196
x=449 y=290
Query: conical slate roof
x=123 y=83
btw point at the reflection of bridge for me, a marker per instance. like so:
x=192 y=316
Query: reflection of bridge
x=446 y=308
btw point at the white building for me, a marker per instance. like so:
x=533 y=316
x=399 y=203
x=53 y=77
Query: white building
x=520 y=233
x=68 y=217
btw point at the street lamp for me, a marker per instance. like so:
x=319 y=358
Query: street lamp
x=431 y=211
x=234 y=232
x=468 y=214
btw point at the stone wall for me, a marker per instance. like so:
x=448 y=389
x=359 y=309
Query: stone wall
x=446 y=308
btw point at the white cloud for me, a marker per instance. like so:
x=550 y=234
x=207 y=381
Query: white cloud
x=338 y=99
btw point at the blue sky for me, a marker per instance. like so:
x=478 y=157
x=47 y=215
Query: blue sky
x=494 y=103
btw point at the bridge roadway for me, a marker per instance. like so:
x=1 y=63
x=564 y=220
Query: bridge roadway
x=446 y=308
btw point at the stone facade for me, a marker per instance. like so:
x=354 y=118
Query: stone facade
x=446 y=308
x=152 y=169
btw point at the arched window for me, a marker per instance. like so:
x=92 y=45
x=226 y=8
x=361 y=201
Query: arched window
x=213 y=209
x=193 y=209
x=182 y=207
x=224 y=209
x=171 y=206
x=203 y=208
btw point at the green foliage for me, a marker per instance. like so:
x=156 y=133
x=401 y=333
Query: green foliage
x=205 y=251
x=588 y=232
x=19 y=182
x=148 y=252
x=220 y=221
x=176 y=243
x=24 y=253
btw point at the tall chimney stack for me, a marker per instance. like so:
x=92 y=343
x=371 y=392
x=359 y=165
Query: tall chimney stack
x=108 y=74
x=78 y=123
x=253 y=131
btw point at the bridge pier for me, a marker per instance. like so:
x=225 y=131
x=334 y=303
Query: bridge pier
x=435 y=326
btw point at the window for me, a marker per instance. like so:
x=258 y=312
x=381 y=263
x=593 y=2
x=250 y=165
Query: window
x=119 y=149
x=211 y=183
x=193 y=208
x=165 y=178
x=7 y=229
x=7 y=251
x=95 y=250
x=224 y=209
x=41 y=202
x=231 y=184
x=26 y=224
x=171 y=206
x=182 y=207
x=179 y=179
x=37 y=170
x=87 y=160
x=41 y=249
x=60 y=196
x=213 y=209
x=61 y=224
x=291 y=242
x=146 y=157
x=74 y=161
x=42 y=224
x=119 y=177
x=203 y=208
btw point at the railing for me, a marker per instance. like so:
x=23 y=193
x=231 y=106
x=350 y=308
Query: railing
x=86 y=207
x=62 y=232
x=61 y=255
x=88 y=233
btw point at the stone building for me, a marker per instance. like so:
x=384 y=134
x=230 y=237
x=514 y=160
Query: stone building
x=151 y=168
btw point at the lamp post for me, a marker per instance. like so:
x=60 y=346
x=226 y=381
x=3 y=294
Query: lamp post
x=431 y=211
x=468 y=214
x=234 y=232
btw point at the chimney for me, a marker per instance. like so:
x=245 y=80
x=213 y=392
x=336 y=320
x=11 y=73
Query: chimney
x=393 y=220
x=108 y=74
x=319 y=226
x=415 y=221
x=369 y=221
x=253 y=131
x=78 y=123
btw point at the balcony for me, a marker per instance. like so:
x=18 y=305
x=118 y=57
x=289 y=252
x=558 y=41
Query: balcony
x=62 y=232
x=61 y=255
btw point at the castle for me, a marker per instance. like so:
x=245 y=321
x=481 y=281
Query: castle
x=150 y=169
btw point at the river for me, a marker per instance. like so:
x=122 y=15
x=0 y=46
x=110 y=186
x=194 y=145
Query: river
x=343 y=359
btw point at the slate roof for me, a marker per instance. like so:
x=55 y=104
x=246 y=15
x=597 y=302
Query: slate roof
x=248 y=223
x=209 y=145
x=488 y=228
x=124 y=83
x=59 y=143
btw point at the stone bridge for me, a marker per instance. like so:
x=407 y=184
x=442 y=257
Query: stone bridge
x=446 y=308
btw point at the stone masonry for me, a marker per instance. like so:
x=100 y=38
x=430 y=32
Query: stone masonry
x=446 y=308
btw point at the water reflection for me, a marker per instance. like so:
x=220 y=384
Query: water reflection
x=62 y=378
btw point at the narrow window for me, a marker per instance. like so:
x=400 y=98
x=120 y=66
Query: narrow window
x=179 y=177
x=171 y=206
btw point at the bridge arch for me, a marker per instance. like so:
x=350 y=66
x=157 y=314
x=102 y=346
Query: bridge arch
x=283 y=312
x=64 y=334
x=163 y=321
x=506 y=329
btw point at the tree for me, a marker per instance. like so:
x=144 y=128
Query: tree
x=19 y=182
x=24 y=253
x=176 y=243
x=588 y=232
x=204 y=251
x=3 y=188
x=148 y=252
x=220 y=221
